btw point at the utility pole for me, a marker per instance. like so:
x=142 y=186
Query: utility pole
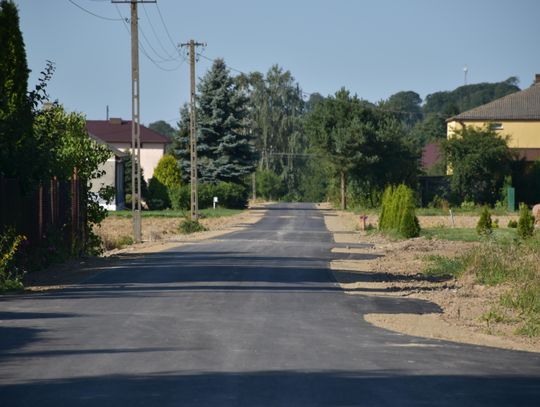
x=193 y=129
x=136 y=195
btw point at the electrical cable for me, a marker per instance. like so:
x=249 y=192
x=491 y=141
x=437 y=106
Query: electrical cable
x=92 y=13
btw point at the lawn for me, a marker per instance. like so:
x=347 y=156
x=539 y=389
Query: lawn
x=467 y=234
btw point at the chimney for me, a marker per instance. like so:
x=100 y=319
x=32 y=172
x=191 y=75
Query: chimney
x=115 y=120
x=537 y=78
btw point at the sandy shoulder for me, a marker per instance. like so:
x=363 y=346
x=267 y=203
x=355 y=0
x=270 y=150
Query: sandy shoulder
x=380 y=267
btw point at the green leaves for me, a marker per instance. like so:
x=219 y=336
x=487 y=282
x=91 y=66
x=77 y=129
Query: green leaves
x=480 y=161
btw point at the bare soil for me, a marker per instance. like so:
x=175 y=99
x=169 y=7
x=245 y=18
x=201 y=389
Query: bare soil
x=394 y=268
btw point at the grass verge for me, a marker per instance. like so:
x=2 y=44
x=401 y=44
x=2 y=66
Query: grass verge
x=512 y=263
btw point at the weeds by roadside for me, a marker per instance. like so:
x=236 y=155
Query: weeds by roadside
x=514 y=264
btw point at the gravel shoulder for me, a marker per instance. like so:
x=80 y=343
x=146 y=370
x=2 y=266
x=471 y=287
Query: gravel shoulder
x=371 y=264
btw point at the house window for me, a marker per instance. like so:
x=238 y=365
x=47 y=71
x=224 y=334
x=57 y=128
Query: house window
x=496 y=126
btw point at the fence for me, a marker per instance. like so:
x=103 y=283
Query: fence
x=39 y=211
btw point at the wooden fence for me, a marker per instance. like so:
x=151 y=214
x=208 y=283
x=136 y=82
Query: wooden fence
x=39 y=211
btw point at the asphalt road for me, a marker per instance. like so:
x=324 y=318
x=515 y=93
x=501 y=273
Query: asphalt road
x=254 y=319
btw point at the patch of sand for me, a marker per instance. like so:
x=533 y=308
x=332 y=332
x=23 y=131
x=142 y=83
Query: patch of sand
x=394 y=268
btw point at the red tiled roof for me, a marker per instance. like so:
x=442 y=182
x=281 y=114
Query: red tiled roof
x=430 y=155
x=121 y=133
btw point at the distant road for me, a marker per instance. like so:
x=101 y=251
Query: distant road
x=254 y=319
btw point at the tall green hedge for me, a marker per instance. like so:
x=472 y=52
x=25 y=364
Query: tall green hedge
x=232 y=196
x=398 y=212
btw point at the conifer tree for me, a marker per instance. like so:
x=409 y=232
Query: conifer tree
x=17 y=144
x=224 y=149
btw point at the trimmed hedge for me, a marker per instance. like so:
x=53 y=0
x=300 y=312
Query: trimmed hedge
x=232 y=196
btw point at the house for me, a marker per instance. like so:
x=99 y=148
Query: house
x=117 y=134
x=113 y=176
x=516 y=115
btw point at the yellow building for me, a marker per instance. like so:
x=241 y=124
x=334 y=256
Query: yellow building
x=516 y=115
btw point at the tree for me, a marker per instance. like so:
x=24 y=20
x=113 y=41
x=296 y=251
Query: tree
x=224 y=148
x=163 y=128
x=17 y=144
x=406 y=106
x=360 y=143
x=480 y=160
x=181 y=147
x=167 y=172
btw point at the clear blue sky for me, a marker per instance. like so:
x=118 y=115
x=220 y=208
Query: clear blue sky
x=374 y=48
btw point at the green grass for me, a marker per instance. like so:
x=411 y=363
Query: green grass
x=167 y=213
x=512 y=262
x=467 y=234
x=444 y=267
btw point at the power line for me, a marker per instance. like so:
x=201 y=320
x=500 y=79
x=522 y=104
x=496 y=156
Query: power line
x=171 y=57
x=143 y=50
x=92 y=13
x=167 y=31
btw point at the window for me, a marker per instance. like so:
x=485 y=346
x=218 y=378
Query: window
x=496 y=126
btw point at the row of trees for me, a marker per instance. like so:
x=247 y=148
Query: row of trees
x=338 y=146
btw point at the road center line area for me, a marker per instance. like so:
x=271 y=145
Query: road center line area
x=252 y=319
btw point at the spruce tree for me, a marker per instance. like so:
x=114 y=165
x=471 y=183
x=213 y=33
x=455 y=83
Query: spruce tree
x=181 y=146
x=223 y=146
x=17 y=145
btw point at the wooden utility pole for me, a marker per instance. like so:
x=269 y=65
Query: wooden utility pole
x=193 y=129
x=136 y=195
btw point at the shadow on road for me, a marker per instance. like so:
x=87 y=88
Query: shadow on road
x=278 y=388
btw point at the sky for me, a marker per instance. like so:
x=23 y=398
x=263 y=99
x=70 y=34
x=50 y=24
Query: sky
x=374 y=48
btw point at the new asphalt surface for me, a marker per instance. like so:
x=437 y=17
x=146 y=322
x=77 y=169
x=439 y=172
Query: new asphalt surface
x=252 y=319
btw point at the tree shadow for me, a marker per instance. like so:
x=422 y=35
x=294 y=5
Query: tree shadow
x=296 y=388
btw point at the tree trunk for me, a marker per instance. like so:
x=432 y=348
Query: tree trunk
x=343 y=191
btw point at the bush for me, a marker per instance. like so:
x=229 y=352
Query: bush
x=10 y=243
x=269 y=185
x=180 y=197
x=168 y=172
x=158 y=196
x=188 y=226
x=525 y=226
x=484 y=227
x=512 y=224
x=232 y=196
x=398 y=212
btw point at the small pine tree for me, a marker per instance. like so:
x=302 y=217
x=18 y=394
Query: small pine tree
x=484 y=226
x=386 y=210
x=409 y=227
x=525 y=226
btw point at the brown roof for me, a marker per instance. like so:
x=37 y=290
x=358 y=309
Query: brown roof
x=529 y=154
x=523 y=105
x=119 y=131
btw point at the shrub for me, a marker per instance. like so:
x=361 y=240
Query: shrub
x=468 y=205
x=269 y=185
x=180 y=197
x=398 y=212
x=168 y=172
x=188 y=226
x=484 y=226
x=512 y=224
x=525 y=226
x=233 y=196
x=158 y=197
x=10 y=243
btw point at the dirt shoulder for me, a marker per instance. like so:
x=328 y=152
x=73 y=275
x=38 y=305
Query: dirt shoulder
x=393 y=268
x=159 y=234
